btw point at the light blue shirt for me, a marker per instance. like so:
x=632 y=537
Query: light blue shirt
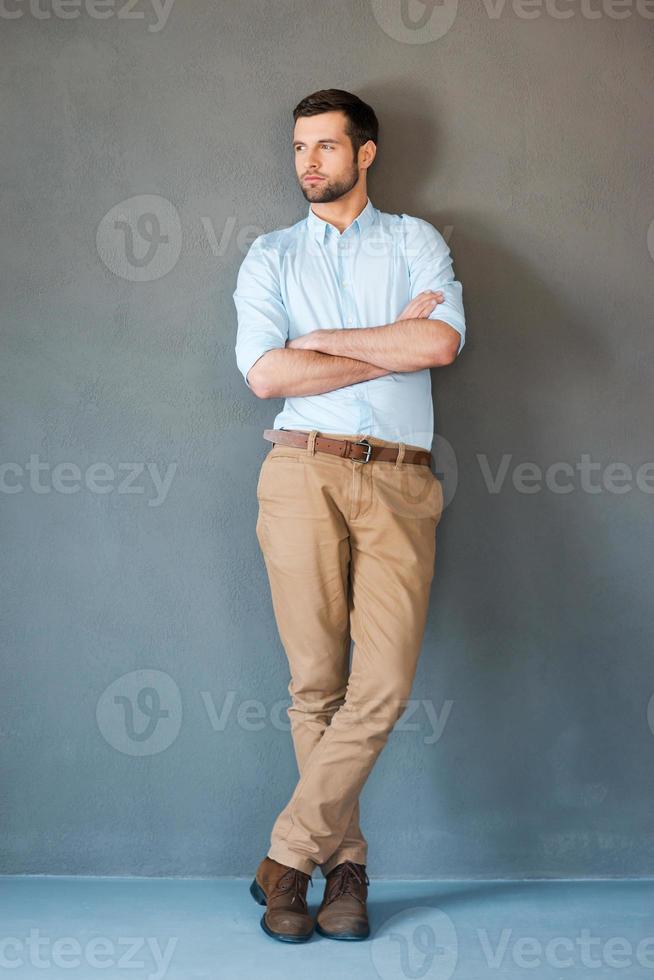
x=310 y=276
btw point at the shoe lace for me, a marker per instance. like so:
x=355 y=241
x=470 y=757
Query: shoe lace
x=344 y=876
x=294 y=880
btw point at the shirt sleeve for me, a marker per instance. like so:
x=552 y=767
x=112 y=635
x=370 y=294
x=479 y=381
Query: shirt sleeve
x=262 y=317
x=430 y=267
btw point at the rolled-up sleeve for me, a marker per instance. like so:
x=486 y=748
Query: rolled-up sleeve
x=430 y=266
x=262 y=316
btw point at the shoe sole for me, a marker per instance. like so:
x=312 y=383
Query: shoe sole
x=348 y=936
x=259 y=896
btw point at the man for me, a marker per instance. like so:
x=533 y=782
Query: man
x=343 y=314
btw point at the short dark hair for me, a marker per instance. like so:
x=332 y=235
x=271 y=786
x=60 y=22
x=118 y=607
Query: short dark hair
x=362 y=124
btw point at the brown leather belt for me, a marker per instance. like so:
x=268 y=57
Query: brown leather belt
x=361 y=451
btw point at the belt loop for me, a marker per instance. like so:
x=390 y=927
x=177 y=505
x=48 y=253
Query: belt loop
x=311 y=442
x=400 y=455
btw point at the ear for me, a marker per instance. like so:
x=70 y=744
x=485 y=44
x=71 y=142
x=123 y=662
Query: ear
x=367 y=154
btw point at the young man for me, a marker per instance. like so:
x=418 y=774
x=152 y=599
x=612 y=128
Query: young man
x=342 y=315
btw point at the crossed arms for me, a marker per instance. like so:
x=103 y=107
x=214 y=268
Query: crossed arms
x=327 y=359
x=322 y=360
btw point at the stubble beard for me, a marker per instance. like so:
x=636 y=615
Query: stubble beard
x=326 y=191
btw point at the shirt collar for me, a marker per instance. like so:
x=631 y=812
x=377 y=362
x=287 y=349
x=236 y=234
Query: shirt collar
x=318 y=228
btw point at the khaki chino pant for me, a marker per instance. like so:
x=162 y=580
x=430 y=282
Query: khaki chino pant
x=349 y=549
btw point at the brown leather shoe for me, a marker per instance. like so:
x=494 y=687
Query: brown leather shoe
x=342 y=913
x=283 y=889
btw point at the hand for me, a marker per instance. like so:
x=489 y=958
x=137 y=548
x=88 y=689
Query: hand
x=307 y=341
x=422 y=305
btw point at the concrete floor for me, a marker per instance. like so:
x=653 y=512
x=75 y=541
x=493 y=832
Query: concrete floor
x=180 y=929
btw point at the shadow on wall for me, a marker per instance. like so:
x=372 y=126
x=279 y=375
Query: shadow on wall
x=526 y=615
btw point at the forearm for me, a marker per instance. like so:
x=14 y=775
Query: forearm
x=406 y=345
x=285 y=372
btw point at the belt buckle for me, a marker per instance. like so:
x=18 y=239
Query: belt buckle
x=364 y=442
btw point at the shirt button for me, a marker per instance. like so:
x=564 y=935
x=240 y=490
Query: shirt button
x=350 y=319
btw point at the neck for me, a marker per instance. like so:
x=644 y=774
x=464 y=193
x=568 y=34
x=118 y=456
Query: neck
x=341 y=213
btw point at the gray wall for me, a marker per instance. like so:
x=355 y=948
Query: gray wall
x=528 y=142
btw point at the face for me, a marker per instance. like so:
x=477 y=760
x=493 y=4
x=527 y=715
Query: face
x=321 y=147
